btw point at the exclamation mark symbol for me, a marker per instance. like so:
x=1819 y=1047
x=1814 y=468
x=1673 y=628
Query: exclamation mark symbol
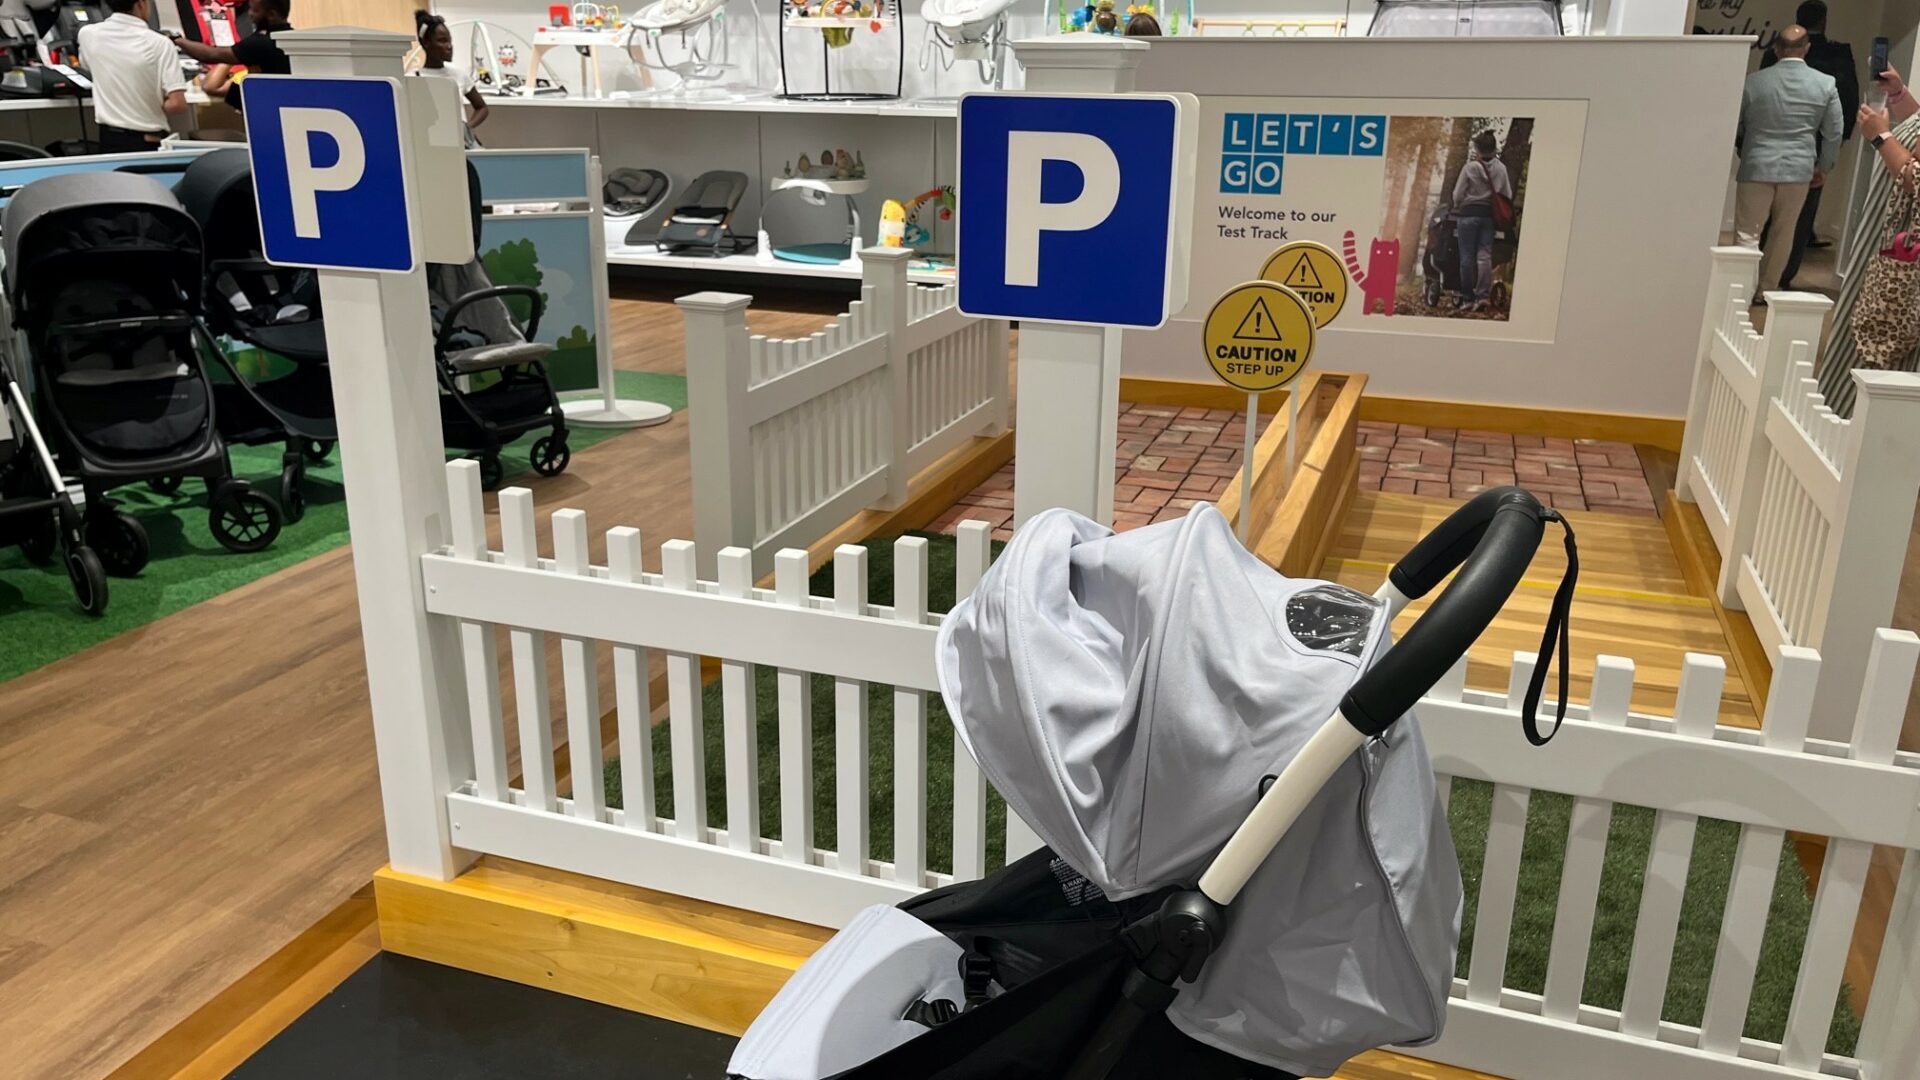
x=1256 y=324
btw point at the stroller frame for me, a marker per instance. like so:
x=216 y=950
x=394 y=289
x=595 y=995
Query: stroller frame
x=469 y=428
x=64 y=526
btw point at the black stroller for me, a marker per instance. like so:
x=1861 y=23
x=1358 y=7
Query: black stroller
x=493 y=376
x=1250 y=875
x=272 y=308
x=37 y=512
x=1440 y=265
x=104 y=274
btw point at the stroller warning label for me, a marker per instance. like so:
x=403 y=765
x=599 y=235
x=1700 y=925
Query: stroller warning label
x=1259 y=336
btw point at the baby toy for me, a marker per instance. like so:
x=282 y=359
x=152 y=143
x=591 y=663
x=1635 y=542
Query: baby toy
x=805 y=166
x=916 y=233
x=842 y=165
x=1104 y=20
x=859 y=166
x=893 y=224
x=1377 y=280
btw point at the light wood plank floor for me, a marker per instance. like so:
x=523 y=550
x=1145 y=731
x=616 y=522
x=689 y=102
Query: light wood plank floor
x=182 y=801
x=1632 y=600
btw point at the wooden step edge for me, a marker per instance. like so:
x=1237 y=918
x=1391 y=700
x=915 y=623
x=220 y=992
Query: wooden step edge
x=216 y=1038
x=1699 y=559
x=699 y=964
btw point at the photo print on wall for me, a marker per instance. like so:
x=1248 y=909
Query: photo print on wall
x=1451 y=218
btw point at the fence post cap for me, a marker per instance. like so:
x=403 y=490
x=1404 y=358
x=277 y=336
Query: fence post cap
x=1885 y=385
x=886 y=254
x=1730 y=253
x=1795 y=301
x=715 y=301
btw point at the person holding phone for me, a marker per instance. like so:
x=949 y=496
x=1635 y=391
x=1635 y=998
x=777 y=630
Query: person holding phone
x=1834 y=58
x=1860 y=323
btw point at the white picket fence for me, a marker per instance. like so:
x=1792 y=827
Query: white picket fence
x=789 y=438
x=1859 y=791
x=1811 y=512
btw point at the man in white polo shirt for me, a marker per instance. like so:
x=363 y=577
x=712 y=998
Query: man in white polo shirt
x=137 y=81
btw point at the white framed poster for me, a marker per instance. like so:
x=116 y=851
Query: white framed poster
x=1452 y=216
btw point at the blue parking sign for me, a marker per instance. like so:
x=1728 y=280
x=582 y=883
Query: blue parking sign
x=1074 y=208
x=329 y=172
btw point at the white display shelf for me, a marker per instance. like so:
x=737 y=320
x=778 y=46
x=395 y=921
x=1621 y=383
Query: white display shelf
x=33 y=104
x=830 y=187
x=620 y=254
x=939 y=109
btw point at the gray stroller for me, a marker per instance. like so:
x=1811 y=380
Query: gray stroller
x=1248 y=873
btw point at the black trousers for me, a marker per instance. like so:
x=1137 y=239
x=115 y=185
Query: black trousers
x=115 y=140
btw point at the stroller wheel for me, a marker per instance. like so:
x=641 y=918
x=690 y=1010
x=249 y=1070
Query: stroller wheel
x=293 y=502
x=89 y=580
x=317 y=449
x=242 y=519
x=164 y=485
x=38 y=544
x=492 y=472
x=118 y=541
x=551 y=455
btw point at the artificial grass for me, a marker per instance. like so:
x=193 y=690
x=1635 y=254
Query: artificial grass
x=1543 y=853
x=189 y=566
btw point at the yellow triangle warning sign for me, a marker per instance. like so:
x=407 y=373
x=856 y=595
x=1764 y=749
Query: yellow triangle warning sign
x=1257 y=324
x=1303 y=275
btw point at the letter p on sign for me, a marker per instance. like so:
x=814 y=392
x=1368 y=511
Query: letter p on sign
x=305 y=180
x=1075 y=208
x=331 y=174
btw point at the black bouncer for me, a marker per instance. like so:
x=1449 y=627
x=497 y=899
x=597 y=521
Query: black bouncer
x=493 y=376
x=104 y=274
x=273 y=308
x=1344 y=937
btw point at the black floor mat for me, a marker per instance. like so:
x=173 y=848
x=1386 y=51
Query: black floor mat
x=401 y=1018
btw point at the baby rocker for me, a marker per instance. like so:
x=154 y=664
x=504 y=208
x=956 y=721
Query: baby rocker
x=703 y=225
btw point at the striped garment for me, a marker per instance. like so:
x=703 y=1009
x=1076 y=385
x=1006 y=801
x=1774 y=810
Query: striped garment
x=1879 y=217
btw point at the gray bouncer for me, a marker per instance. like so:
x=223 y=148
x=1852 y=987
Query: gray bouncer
x=1248 y=873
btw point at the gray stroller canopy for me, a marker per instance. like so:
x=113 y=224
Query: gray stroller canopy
x=126 y=221
x=1128 y=693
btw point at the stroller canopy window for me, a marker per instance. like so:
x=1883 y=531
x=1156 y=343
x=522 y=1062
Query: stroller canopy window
x=1130 y=692
x=1466 y=18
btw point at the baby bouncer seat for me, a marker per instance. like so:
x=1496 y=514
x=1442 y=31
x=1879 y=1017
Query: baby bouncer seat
x=703 y=224
x=1248 y=873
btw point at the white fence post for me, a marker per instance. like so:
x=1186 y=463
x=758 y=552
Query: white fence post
x=718 y=437
x=1792 y=319
x=1879 y=482
x=885 y=269
x=394 y=458
x=1889 y=1047
x=1731 y=266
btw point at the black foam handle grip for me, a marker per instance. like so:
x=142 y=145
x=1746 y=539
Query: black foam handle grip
x=1491 y=540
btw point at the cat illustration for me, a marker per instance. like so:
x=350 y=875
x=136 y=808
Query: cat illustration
x=1377 y=280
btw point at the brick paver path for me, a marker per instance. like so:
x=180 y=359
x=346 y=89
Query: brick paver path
x=1170 y=458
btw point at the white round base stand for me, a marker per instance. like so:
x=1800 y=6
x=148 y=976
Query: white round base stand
x=592 y=412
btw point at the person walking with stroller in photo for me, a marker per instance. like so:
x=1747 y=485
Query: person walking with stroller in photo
x=1482 y=189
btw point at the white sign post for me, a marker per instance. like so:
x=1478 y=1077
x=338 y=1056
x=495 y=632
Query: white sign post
x=380 y=352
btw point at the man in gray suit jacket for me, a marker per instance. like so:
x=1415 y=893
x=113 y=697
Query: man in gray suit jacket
x=1789 y=139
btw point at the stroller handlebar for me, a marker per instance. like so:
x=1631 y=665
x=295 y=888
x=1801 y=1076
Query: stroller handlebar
x=1491 y=540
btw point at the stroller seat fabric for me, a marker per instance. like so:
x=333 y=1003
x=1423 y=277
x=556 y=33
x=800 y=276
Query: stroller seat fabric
x=113 y=376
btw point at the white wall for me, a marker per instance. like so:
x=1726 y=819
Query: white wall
x=1660 y=116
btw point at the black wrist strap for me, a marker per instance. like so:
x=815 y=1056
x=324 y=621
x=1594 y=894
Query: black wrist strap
x=1556 y=627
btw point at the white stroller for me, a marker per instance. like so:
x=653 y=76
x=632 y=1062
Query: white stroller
x=1195 y=915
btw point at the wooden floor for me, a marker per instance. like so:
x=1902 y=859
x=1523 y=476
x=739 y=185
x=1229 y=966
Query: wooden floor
x=1632 y=600
x=182 y=801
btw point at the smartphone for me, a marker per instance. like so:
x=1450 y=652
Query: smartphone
x=1877 y=59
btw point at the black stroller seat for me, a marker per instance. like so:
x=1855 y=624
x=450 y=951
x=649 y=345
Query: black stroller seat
x=493 y=378
x=104 y=273
x=272 y=308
